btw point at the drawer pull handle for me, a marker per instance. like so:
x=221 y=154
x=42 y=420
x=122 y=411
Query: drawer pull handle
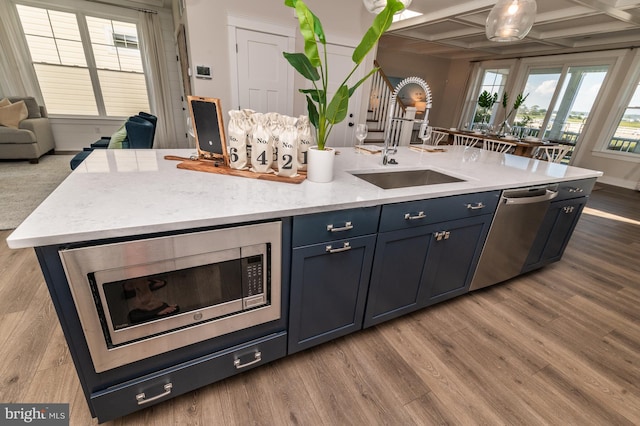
x=142 y=399
x=477 y=206
x=347 y=226
x=345 y=247
x=420 y=215
x=257 y=358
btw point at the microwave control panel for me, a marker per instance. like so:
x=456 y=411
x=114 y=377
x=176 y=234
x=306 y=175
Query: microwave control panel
x=253 y=292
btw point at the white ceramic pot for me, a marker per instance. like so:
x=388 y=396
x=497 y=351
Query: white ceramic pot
x=320 y=164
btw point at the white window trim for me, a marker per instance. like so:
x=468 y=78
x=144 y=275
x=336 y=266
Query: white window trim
x=619 y=105
x=79 y=8
x=471 y=98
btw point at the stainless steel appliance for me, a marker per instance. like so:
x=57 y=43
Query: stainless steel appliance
x=513 y=230
x=140 y=298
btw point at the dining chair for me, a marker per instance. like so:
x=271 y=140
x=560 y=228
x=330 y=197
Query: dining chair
x=438 y=136
x=554 y=153
x=466 y=140
x=498 y=146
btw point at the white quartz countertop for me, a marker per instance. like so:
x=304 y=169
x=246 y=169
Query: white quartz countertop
x=117 y=193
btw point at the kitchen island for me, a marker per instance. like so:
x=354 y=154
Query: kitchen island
x=119 y=193
x=343 y=244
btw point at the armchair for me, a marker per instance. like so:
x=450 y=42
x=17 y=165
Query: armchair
x=140 y=133
x=32 y=139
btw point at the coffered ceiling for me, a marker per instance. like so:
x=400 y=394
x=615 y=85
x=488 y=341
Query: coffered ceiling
x=454 y=29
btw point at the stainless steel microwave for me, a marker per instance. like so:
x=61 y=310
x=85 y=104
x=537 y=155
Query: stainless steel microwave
x=140 y=298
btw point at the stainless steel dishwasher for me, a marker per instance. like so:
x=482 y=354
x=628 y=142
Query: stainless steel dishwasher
x=513 y=230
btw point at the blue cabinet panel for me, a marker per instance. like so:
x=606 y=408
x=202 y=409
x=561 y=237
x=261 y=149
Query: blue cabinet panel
x=179 y=379
x=319 y=227
x=424 y=212
x=397 y=273
x=414 y=268
x=328 y=290
x=554 y=233
x=453 y=258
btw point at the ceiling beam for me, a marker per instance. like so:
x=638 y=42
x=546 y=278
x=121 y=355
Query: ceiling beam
x=621 y=15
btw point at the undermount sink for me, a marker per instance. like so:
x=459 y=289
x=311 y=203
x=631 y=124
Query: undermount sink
x=405 y=178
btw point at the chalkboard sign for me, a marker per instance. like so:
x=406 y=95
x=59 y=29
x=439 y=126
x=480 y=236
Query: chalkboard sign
x=208 y=127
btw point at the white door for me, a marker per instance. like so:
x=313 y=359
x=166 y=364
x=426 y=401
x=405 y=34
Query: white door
x=262 y=71
x=340 y=64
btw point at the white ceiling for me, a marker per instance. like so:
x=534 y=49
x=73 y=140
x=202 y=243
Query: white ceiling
x=454 y=29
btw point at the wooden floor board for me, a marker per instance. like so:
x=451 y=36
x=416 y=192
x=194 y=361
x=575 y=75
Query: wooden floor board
x=557 y=346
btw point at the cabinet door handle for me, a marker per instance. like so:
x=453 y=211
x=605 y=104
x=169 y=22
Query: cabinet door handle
x=347 y=226
x=443 y=235
x=142 y=399
x=420 y=215
x=345 y=247
x=257 y=358
x=476 y=206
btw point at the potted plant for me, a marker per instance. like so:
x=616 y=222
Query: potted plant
x=486 y=101
x=504 y=127
x=324 y=113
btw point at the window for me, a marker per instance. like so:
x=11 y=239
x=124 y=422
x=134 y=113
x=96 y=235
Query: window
x=492 y=81
x=101 y=58
x=539 y=89
x=627 y=135
x=559 y=102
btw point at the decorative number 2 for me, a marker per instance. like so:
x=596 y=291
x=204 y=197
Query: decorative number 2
x=288 y=160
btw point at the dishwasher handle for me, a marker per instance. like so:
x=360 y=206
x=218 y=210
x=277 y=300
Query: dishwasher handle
x=548 y=195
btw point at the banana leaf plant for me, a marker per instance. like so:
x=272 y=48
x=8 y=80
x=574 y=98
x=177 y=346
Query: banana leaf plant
x=486 y=101
x=516 y=105
x=312 y=64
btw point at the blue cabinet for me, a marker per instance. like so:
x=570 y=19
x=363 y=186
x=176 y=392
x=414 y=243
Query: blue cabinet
x=330 y=277
x=554 y=234
x=558 y=224
x=418 y=263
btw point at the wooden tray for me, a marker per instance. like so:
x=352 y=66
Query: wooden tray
x=421 y=148
x=210 y=167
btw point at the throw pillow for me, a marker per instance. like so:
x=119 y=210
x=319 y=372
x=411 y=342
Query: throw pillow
x=4 y=102
x=118 y=138
x=12 y=115
x=32 y=107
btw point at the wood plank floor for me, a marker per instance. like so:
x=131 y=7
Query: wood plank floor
x=558 y=346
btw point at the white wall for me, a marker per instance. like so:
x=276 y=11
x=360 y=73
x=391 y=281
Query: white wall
x=445 y=77
x=344 y=22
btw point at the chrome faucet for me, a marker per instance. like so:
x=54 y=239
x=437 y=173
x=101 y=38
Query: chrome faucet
x=391 y=147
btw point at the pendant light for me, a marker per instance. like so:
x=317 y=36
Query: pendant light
x=510 y=20
x=376 y=6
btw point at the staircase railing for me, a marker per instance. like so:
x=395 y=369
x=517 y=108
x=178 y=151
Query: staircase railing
x=379 y=99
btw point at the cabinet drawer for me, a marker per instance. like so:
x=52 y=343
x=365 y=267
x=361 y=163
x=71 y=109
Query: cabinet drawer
x=423 y=212
x=320 y=227
x=575 y=189
x=146 y=391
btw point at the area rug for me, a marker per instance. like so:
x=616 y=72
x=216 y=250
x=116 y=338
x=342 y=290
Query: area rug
x=23 y=186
